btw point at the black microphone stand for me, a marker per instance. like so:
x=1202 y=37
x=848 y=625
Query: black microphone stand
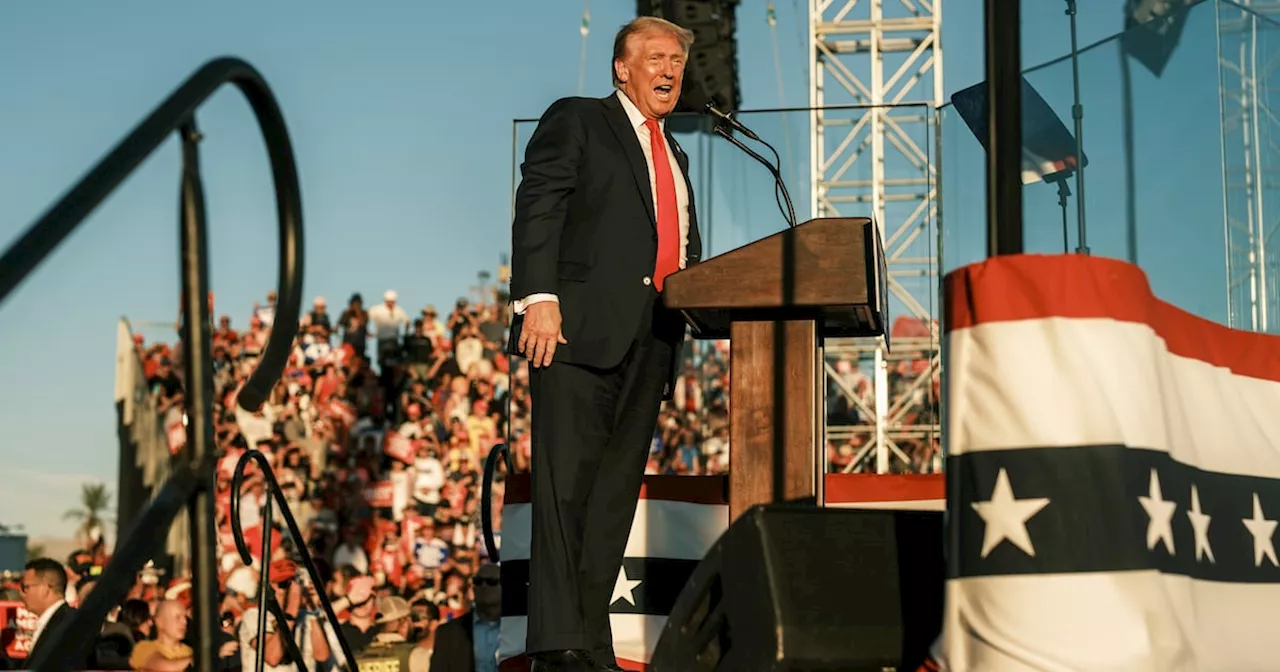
x=1064 y=192
x=789 y=212
x=1077 y=113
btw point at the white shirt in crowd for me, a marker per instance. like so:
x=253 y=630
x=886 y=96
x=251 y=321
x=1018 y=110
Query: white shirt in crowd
x=314 y=350
x=302 y=636
x=401 y=492
x=412 y=430
x=267 y=314
x=248 y=633
x=388 y=322
x=253 y=427
x=682 y=191
x=346 y=554
x=470 y=351
x=251 y=509
x=428 y=481
x=431 y=553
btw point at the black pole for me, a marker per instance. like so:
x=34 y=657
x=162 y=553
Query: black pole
x=1004 y=126
x=264 y=589
x=1077 y=114
x=198 y=394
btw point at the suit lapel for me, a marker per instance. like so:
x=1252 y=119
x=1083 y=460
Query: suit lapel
x=621 y=126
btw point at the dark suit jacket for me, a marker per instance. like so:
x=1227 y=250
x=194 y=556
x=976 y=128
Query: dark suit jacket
x=454 y=649
x=585 y=229
x=63 y=614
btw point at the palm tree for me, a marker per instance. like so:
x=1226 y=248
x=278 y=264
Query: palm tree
x=94 y=500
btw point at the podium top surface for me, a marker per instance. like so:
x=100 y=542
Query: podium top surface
x=829 y=269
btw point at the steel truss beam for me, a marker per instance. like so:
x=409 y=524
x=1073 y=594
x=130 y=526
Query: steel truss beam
x=875 y=77
x=1251 y=145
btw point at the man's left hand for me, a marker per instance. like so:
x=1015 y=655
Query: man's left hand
x=541 y=333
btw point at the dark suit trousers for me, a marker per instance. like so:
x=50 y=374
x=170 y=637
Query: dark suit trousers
x=592 y=429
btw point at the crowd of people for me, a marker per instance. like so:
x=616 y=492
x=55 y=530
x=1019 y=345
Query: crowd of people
x=377 y=434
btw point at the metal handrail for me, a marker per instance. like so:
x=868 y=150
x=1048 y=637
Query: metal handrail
x=497 y=453
x=192 y=483
x=264 y=586
x=60 y=220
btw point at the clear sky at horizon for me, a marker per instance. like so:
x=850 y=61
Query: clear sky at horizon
x=400 y=113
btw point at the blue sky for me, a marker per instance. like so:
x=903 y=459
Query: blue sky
x=400 y=113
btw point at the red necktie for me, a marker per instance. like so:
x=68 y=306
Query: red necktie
x=668 y=261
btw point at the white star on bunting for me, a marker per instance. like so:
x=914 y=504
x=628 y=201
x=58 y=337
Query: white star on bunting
x=624 y=588
x=1006 y=517
x=1261 y=529
x=1200 y=527
x=1160 y=513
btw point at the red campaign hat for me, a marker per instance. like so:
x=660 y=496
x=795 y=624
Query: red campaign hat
x=281 y=570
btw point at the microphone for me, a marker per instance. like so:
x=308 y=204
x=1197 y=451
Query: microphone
x=725 y=122
x=727 y=118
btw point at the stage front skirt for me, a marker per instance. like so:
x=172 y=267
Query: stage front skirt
x=677 y=521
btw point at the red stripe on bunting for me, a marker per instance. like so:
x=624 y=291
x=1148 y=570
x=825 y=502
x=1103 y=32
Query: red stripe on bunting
x=857 y=488
x=690 y=489
x=1031 y=287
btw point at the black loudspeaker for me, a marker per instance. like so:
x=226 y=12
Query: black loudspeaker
x=802 y=588
x=712 y=71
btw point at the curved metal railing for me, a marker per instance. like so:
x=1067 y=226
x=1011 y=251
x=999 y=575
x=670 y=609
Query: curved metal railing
x=266 y=599
x=190 y=487
x=176 y=113
x=498 y=453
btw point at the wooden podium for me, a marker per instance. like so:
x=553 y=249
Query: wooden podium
x=776 y=300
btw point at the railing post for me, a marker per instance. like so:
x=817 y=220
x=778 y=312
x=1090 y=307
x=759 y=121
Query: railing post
x=198 y=395
x=264 y=587
x=1004 y=126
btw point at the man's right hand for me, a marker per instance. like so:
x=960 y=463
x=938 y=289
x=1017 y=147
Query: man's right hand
x=541 y=333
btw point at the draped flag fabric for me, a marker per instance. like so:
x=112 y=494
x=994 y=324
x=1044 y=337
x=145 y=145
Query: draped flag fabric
x=677 y=521
x=1113 y=476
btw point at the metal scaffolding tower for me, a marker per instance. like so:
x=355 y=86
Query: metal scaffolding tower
x=875 y=77
x=1251 y=145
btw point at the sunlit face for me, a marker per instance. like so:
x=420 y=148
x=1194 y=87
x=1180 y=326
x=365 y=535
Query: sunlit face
x=37 y=595
x=171 y=620
x=652 y=72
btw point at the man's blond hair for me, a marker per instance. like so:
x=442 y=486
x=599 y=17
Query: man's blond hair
x=646 y=24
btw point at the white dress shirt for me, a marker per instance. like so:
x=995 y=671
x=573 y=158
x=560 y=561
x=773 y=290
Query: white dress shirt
x=44 y=620
x=637 y=119
x=248 y=633
x=388 y=321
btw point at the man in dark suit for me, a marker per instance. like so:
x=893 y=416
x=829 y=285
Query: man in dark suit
x=469 y=643
x=604 y=214
x=454 y=646
x=44 y=590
